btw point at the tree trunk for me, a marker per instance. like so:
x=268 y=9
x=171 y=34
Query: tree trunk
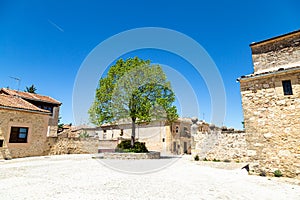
x=132 y=132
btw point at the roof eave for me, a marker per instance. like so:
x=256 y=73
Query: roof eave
x=26 y=110
x=58 y=103
x=278 y=72
x=273 y=38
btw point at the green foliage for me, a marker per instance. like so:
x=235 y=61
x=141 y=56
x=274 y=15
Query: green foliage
x=215 y=160
x=124 y=145
x=60 y=125
x=227 y=161
x=277 y=173
x=30 y=89
x=138 y=147
x=133 y=89
x=196 y=158
x=205 y=159
x=84 y=134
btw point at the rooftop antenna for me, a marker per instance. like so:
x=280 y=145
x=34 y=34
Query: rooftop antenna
x=17 y=79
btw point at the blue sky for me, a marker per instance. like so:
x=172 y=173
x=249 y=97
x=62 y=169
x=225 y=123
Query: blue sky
x=45 y=42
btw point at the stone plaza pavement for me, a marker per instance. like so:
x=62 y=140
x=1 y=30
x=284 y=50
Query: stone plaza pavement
x=82 y=177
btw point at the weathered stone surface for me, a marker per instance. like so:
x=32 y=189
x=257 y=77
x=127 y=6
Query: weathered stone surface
x=272 y=55
x=37 y=142
x=75 y=146
x=272 y=118
x=229 y=145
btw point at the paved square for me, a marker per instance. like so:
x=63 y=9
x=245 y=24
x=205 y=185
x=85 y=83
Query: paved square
x=81 y=177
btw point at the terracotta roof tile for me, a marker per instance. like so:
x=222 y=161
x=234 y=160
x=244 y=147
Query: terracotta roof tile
x=30 y=96
x=14 y=102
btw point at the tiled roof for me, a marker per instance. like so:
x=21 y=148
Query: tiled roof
x=30 y=96
x=13 y=102
x=279 y=71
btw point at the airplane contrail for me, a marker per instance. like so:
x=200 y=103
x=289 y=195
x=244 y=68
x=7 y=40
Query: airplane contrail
x=55 y=25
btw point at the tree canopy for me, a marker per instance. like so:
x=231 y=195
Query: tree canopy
x=133 y=89
x=31 y=89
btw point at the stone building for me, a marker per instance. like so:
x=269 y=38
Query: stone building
x=181 y=136
x=158 y=135
x=26 y=124
x=40 y=101
x=271 y=105
x=155 y=134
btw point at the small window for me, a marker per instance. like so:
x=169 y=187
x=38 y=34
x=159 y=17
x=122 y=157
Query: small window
x=163 y=140
x=1 y=143
x=18 y=135
x=287 y=87
x=176 y=129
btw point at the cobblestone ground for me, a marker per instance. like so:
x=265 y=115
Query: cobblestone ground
x=81 y=177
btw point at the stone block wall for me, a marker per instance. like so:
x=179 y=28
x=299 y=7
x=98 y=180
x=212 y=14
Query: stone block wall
x=37 y=142
x=272 y=122
x=220 y=146
x=74 y=146
x=277 y=53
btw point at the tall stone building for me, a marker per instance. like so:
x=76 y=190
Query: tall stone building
x=271 y=105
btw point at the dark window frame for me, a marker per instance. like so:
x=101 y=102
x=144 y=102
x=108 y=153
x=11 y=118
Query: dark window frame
x=18 y=134
x=287 y=87
x=176 y=129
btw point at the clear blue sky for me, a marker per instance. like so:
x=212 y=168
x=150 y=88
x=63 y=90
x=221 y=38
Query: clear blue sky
x=45 y=42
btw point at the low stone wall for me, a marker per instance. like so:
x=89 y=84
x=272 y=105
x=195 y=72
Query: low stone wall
x=74 y=146
x=221 y=146
x=124 y=156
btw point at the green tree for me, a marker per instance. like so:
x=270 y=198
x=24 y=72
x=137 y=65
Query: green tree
x=133 y=89
x=31 y=89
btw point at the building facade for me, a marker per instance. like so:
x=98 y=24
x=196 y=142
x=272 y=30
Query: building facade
x=26 y=125
x=42 y=102
x=23 y=128
x=181 y=136
x=174 y=138
x=271 y=105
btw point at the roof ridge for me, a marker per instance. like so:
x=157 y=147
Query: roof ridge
x=15 y=102
x=32 y=96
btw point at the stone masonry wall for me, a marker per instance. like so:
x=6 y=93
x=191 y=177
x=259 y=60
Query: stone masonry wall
x=37 y=143
x=220 y=146
x=278 y=53
x=74 y=146
x=272 y=122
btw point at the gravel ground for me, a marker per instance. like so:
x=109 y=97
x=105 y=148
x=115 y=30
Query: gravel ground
x=81 y=177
